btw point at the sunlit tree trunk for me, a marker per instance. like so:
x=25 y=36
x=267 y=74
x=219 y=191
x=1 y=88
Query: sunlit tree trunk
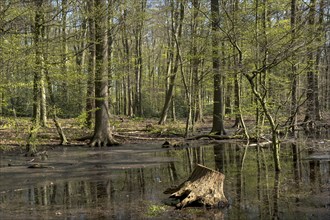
x=31 y=145
x=102 y=130
x=139 y=61
x=294 y=75
x=218 y=125
x=64 y=51
x=176 y=32
x=324 y=65
x=319 y=31
x=128 y=91
x=195 y=62
x=90 y=101
x=312 y=113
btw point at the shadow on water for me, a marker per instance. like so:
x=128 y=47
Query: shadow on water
x=127 y=182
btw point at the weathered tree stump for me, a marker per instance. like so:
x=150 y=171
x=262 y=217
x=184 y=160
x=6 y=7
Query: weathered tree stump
x=204 y=187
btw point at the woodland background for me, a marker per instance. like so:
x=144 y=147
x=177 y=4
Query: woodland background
x=246 y=59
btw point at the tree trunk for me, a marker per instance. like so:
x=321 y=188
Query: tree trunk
x=218 y=125
x=139 y=60
x=203 y=187
x=102 y=130
x=90 y=101
x=176 y=32
x=195 y=62
x=319 y=32
x=64 y=52
x=31 y=145
x=127 y=57
x=312 y=113
x=273 y=126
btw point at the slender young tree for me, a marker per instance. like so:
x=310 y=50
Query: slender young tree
x=90 y=101
x=138 y=31
x=102 y=130
x=176 y=33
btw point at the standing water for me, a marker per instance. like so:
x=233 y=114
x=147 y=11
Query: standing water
x=127 y=182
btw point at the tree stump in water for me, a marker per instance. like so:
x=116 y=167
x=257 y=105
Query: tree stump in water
x=203 y=187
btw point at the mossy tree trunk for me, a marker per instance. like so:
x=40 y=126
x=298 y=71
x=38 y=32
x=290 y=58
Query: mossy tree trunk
x=37 y=79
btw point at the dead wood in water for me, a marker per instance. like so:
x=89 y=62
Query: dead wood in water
x=203 y=187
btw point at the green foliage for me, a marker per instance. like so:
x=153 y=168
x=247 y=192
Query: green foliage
x=261 y=40
x=82 y=119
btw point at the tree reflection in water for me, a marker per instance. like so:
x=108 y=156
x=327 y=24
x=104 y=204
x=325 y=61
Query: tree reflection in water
x=253 y=189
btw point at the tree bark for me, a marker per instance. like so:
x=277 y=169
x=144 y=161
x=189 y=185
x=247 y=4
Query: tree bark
x=31 y=145
x=203 y=187
x=312 y=111
x=176 y=32
x=102 y=130
x=218 y=125
x=90 y=101
x=294 y=75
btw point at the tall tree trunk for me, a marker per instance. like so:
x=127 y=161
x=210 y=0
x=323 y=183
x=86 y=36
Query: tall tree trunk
x=90 y=101
x=102 y=130
x=43 y=67
x=64 y=51
x=294 y=76
x=127 y=57
x=218 y=125
x=31 y=145
x=176 y=32
x=196 y=91
x=319 y=32
x=139 y=60
x=312 y=113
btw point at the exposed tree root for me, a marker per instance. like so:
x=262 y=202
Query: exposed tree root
x=103 y=140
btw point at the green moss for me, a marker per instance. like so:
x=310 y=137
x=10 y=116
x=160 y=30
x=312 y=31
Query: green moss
x=155 y=210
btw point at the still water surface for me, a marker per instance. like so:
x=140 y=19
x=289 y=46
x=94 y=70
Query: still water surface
x=127 y=182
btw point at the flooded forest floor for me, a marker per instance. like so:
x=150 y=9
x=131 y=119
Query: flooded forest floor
x=127 y=181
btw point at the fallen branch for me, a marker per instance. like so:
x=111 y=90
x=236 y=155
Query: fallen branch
x=60 y=131
x=138 y=138
x=216 y=137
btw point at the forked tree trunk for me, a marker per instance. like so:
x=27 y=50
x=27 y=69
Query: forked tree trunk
x=203 y=187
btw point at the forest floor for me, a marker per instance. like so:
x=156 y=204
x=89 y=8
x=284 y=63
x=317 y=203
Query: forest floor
x=14 y=131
